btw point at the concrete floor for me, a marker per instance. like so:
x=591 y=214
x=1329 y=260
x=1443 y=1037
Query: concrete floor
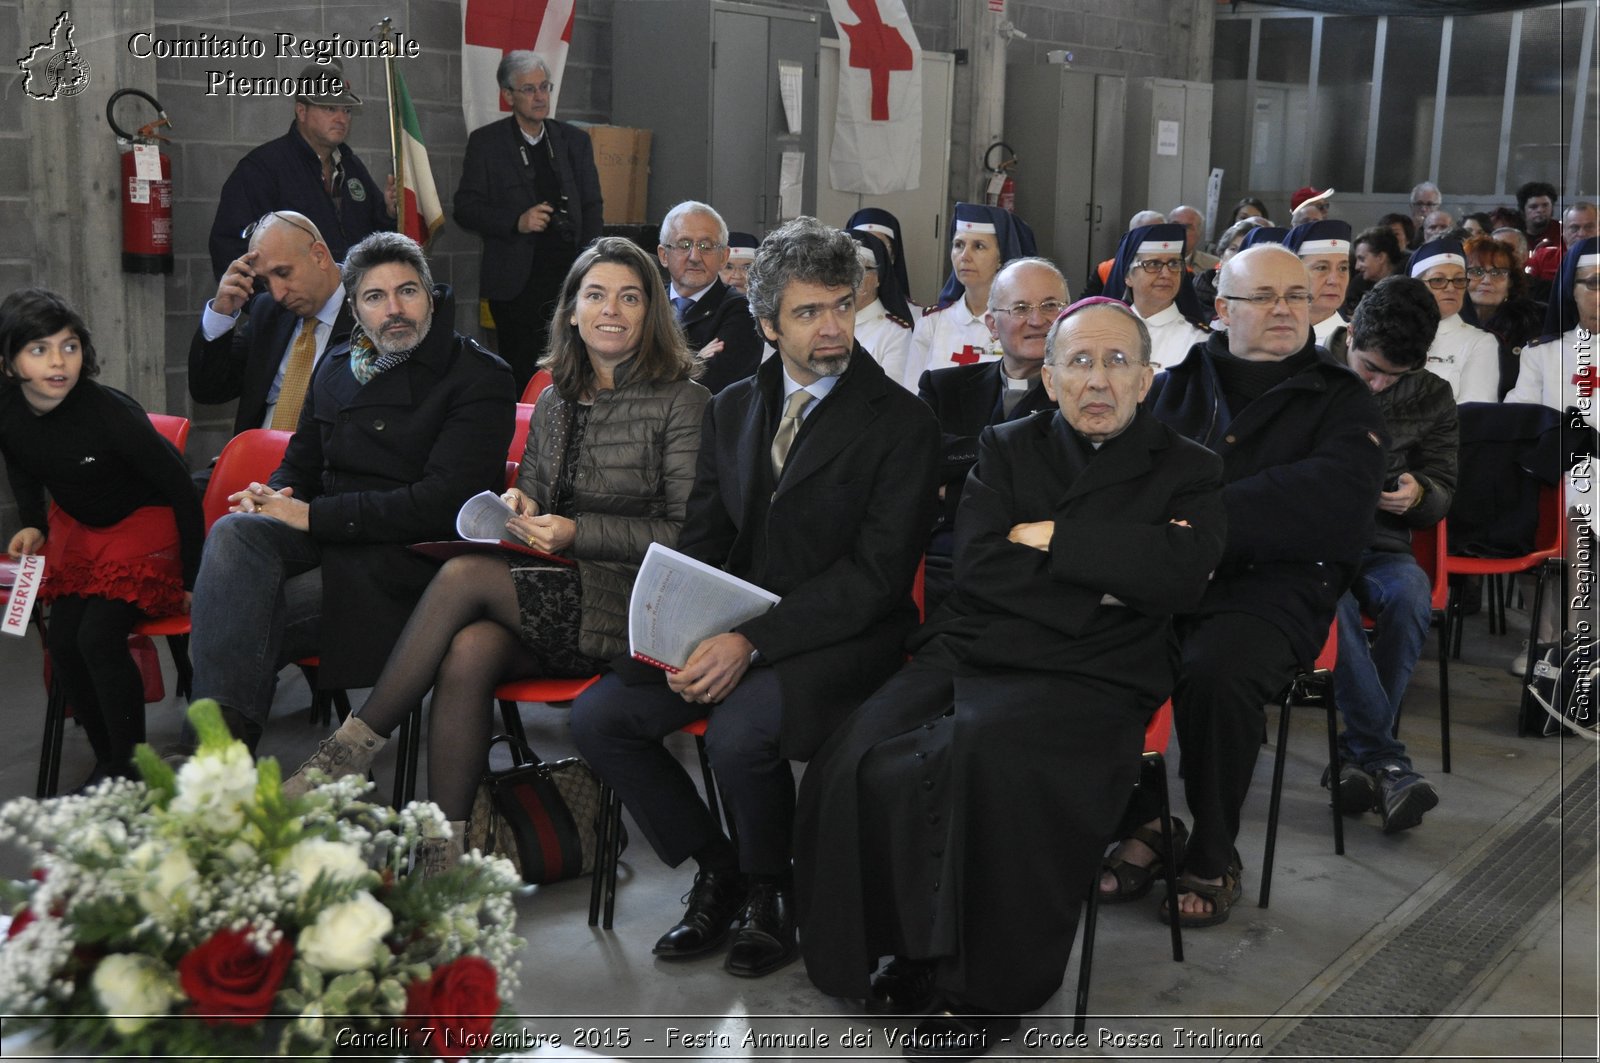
x=1267 y=978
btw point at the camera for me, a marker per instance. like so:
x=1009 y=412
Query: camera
x=561 y=224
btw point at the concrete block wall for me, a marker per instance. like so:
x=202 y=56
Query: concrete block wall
x=212 y=132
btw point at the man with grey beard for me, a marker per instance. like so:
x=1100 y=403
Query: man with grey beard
x=401 y=425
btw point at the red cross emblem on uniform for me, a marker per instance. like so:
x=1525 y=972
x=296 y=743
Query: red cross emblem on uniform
x=879 y=48
x=1586 y=379
x=967 y=355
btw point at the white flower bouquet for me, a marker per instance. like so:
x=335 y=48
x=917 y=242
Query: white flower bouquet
x=180 y=915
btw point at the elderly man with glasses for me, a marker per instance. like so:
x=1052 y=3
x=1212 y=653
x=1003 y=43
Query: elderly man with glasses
x=529 y=188
x=955 y=821
x=715 y=317
x=1024 y=300
x=1302 y=445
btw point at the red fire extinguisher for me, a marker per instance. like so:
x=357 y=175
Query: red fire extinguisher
x=146 y=191
x=1002 y=189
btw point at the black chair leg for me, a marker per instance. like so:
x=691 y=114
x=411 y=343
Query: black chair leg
x=1333 y=767
x=407 y=750
x=1091 y=912
x=1275 y=801
x=614 y=829
x=603 y=847
x=55 y=725
x=182 y=667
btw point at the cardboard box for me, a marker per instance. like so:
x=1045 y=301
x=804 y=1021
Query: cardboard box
x=622 y=156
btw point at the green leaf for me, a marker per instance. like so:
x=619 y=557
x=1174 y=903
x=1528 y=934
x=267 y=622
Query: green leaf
x=157 y=773
x=206 y=715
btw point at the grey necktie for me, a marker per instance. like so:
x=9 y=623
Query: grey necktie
x=681 y=305
x=788 y=428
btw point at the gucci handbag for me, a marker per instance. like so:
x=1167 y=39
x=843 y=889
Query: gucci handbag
x=543 y=816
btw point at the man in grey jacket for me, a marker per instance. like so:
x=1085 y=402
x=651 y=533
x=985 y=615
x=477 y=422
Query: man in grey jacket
x=1389 y=341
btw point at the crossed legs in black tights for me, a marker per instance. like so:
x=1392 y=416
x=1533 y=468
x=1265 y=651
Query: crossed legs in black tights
x=462 y=642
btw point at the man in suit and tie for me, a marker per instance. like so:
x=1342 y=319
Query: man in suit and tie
x=715 y=317
x=816 y=480
x=529 y=188
x=1024 y=300
x=262 y=349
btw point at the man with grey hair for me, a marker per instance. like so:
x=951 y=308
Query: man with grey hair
x=715 y=318
x=815 y=482
x=995 y=764
x=1193 y=222
x=529 y=188
x=309 y=169
x=402 y=424
x=1024 y=300
x=1425 y=198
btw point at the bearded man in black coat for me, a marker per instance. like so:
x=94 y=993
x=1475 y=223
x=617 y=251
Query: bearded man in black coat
x=955 y=821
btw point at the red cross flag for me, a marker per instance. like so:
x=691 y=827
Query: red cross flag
x=490 y=29
x=877 y=134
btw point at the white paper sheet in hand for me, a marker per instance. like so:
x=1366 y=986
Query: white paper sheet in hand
x=679 y=602
x=19 y=607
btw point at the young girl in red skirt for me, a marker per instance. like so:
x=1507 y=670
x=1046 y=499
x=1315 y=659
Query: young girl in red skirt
x=122 y=540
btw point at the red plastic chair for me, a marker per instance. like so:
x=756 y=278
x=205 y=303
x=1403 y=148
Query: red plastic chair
x=519 y=437
x=1548 y=555
x=1312 y=686
x=536 y=385
x=172 y=428
x=1152 y=772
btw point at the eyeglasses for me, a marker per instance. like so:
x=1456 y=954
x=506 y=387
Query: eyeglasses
x=1591 y=283
x=1115 y=362
x=1439 y=284
x=705 y=247
x=267 y=218
x=1480 y=272
x=1269 y=300
x=1156 y=265
x=542 y=88
x=1049 y=308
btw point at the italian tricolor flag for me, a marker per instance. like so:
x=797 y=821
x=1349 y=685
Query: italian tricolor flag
x=420 y=212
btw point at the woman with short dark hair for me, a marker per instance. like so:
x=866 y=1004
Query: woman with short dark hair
x=1498 y=291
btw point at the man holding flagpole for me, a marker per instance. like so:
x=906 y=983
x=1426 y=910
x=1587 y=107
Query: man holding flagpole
x=529 y=188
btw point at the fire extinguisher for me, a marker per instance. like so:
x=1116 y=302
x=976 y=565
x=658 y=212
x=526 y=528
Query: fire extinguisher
x=146 y=191
x=1002 y=190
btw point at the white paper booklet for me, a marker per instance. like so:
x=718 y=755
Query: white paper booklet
x=483 y=518
x=679 y=602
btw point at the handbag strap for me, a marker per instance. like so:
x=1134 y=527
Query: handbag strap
x=522 y=754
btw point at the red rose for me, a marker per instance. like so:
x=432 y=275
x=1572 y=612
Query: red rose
x=229 y=981
x=19 y=922
x=459 y=1002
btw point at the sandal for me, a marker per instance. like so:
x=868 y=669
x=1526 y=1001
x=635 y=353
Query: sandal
x=1134 y=880
x=1222 y=895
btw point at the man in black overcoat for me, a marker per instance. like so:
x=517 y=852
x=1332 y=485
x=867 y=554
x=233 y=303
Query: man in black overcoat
x=402 y=425
x=815 y=481
x=1303 y=450
x=955 y=821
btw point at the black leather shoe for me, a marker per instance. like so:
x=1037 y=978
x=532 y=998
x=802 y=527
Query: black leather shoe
x=765 y=940
x=714 y=899
x=903 y=987
x=959 y=1032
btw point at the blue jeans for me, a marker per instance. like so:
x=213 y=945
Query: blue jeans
x=1370 y=679
x=257 y=606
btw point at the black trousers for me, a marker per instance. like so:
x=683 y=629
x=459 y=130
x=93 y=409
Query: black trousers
x=522 y=325
x=618 y=729
x=1233 y=664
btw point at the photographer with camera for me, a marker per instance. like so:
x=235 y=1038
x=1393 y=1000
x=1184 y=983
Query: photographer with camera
x=528 y=187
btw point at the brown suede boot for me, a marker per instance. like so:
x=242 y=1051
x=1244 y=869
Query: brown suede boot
x=435 y=856
x=348 y=751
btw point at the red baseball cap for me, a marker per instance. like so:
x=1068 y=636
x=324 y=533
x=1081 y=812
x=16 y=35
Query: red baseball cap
x=1306 y=195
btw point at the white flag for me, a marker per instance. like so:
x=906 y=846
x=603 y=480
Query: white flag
x=490 y=29
x=877 y=134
